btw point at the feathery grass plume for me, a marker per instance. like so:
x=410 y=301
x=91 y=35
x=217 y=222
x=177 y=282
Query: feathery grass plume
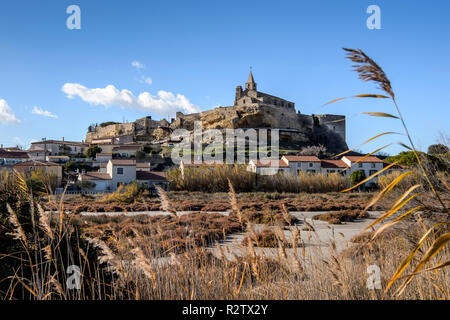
x=295 y=237
x=44 y=223
x=281 y=250
x=234 y=202
x=165 y=202
x=286 y=216
x=368 y=70
x=48 y=252
x=142 y=263
x=18 y=232
x=107 y=256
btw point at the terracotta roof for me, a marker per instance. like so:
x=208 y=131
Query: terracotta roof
x=270 y=164
x=13 y=154
x=368 y=159
x=333 y=164
x=151 y=175
x=302 y=158
x=123 y=162
x=95 y=176
x=34 y=163
x=143 y=165
x=38 y=150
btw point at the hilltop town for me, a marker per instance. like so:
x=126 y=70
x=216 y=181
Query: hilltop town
x=119 y=153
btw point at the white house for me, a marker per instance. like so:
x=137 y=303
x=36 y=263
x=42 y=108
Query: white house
x=268 y=167
x=333 y=166
x=103 y=157
x=9 y=158
x=309 y=164
x=189 y=165
x=59 y=147
x=126 y=150
x=370 y=165
x=122 y=171
x=152 y=179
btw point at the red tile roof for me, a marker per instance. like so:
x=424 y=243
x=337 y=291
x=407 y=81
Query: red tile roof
x=34 y=163
x=123 y=162
x=143 y=165
x=13 y=154
x=95 y=176
x=270 y=164
x=151 y=175
x=302 y=158
x=333 y=164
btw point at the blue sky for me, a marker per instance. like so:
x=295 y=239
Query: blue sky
x=192 y=55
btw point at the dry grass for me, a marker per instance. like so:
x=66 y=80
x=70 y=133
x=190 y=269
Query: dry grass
x=215 y=179
x=171 y=258
x=338 y=217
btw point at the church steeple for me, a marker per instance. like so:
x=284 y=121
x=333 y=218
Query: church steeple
x=251 y=84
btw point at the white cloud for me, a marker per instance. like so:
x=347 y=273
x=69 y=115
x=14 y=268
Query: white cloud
x=146 y=80
x=6 y=113
x=137 y=65
x=165 y=103
x=44 y=113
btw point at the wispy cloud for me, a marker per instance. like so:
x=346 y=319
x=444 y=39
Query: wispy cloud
x=164 y=103
x=146 y=80
x=136 y=64
x=44 y=113
x=6 y=113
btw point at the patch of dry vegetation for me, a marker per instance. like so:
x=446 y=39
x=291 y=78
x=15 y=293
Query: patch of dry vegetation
x=338 y=217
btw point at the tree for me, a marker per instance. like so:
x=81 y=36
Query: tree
x=92 y=151
x=357 y=176
x=318 y=151
x=438 y=149
x=140 y=154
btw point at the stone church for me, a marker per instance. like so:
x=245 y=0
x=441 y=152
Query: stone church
x=252 y=97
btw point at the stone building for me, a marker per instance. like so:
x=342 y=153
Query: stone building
x=252 y=97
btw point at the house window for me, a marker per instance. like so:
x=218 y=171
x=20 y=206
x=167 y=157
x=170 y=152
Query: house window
x=310 y=164
x=119 y=170
x=373 y=165
x=371 y=172
x=360 y=165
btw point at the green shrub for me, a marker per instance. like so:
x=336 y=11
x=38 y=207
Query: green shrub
x=357 y=176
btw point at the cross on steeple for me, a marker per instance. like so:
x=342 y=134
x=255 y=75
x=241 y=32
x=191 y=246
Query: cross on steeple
x=251 y=84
